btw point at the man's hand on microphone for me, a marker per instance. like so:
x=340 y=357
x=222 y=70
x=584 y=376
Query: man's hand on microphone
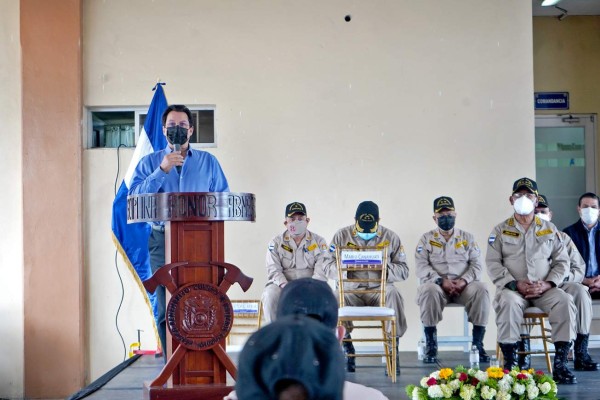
x=171 y=160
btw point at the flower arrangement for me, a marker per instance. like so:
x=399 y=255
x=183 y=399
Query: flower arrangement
x=493 y=383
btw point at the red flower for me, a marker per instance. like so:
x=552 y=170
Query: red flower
x=431 y=381
x=521 y=376
x=474 y=381
x=463 y=377
x=538 y=372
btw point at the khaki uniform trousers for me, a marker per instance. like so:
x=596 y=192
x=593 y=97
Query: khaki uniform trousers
x=557 y=303
x=432 y=300
x=393 y=299
x=272 y=292
x=583 y=305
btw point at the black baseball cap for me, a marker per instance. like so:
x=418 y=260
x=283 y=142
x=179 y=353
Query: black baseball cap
x=295 y=208
x=443 y=202
x=367 y=215
x=310 y=297
x=525 y=183
x=542 y=201
x=296 y=349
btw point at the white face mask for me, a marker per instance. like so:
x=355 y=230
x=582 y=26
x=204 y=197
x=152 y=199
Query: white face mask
x=589 y=215
x=297 y=228
x=523 y=205
x=545 y=217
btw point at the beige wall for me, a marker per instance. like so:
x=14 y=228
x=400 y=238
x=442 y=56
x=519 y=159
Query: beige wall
x=11 y=204
x=567 y=58
x=408 y=101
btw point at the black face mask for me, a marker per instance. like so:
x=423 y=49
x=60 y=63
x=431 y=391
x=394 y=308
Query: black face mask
x=446 y=222
x=177 y=135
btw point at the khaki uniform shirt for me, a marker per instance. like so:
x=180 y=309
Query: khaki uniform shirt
x=397 y=269
x=287 y=262
x=460 y=257
x=577 y=264
x=538 y=254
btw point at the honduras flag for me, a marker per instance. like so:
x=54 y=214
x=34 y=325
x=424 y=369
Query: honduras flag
x=132 y=239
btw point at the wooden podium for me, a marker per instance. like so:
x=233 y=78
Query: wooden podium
x=199 y=314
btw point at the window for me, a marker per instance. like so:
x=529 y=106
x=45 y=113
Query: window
x=113 y=127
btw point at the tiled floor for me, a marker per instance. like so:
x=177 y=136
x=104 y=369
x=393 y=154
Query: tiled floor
x=128 y=384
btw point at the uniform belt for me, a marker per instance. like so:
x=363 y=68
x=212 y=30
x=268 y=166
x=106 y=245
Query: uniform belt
x=158 y=228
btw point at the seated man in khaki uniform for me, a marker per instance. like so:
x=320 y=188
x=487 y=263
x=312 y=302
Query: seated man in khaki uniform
x=366 y=231
x=448 y=267
x=527 y=261
x=296 y=253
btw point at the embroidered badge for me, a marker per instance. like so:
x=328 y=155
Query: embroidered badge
x=464 y=243
x=287 y=248
x=511 y=221
x=323 y=246
x=419 y=249
x=271 y=246
x=492 y=238
x=511 y=233
x=401 y=250
x=332 y=248
x=543 y=232
x=312 y=247
x=350 y=244
x=436 y=244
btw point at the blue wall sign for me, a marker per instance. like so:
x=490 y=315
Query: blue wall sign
x=551 y=100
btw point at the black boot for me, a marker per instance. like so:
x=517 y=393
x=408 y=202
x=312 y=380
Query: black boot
x=583 y=361
x=349 y=349
x=509 y=351
x=525 y=359
x=561 y=373
x=478 y=334
x=431 y=347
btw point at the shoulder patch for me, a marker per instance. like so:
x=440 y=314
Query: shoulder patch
x=402 y=251
x=312 y=247
x=323 y=246
x=271 y=246
x=492 y=238
x=332 y=248
x=420 y=249
x=543 y=232
x=436 y=244
x=287 y=248
x=510 y=233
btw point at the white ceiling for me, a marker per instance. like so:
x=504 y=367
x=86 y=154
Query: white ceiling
x=573 y=7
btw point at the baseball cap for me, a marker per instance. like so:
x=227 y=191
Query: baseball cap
x=309 y=297
x=443 y=202
x=295 y=208
x=542 y=201
x=525 y=183
x=294 y=348
x=367 y=215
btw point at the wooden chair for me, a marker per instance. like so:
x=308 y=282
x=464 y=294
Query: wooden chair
x=247 y=318
x=372 y=262
x=532 y=317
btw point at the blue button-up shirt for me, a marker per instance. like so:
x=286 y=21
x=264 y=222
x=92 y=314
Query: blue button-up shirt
x=201 y=172
x=592 y=269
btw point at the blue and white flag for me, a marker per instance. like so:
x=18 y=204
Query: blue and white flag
x=132 y=239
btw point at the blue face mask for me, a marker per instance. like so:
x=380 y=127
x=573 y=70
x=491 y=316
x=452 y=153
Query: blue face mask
x=366 y=236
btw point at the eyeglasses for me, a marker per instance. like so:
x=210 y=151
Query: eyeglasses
x=182 y=124
x=530 y=196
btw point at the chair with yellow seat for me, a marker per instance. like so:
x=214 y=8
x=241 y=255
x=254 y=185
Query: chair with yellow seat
x=361 y=271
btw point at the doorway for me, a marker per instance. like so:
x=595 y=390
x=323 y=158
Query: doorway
x=565 y=162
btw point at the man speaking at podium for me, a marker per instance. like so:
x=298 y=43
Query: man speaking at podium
x=176 y=168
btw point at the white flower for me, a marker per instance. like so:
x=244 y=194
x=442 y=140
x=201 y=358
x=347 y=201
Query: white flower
x=454 y=384
x=487 y=392
x=446 y=390
x=435 y=374
x=502 y=396
x=545 y=387
x=435 y=392
x=423 y=382
x=467 y=392
x=532 y=391
x=519 y=388
x=481 y=376
x=505 y=383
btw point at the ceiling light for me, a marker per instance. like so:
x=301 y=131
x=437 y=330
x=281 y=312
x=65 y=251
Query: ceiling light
x=547 y=3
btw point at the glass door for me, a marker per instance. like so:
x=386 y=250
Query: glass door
x=565 y=162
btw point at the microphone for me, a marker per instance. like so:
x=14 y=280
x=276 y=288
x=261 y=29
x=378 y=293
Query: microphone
x=177 y=148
